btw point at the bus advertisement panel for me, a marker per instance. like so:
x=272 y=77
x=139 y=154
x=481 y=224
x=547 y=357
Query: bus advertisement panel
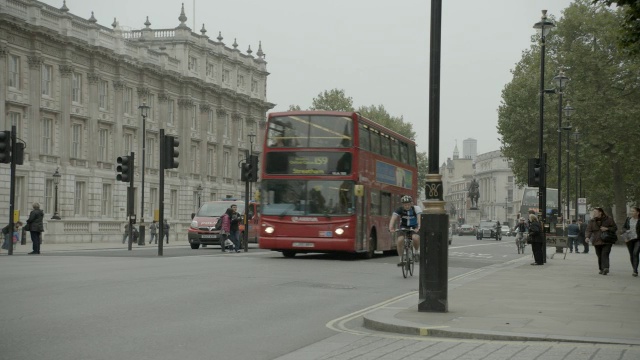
x=531 y=202
x=329 y=183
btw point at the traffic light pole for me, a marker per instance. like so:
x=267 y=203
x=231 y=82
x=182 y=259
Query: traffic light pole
x=141 y=239
x=12 y=191
x=130 y=197
x=163 y=159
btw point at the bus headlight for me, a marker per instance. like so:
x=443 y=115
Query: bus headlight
x=269 y=229
x=339 y=231
x=194 y=224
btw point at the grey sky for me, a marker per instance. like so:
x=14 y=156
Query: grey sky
x=377 y=51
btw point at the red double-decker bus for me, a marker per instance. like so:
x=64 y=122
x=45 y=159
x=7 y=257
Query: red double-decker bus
x=330 y=181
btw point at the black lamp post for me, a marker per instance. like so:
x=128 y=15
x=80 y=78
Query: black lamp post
x=247 y=192
x=56 y=182
x=568 y=111
x=544 y=26
x=576 y=136
x=561 y=82
x=199 y=191
x=144 y=112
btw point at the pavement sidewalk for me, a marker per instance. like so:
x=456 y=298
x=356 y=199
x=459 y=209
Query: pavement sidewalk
x=47 y=248
x=564 y=300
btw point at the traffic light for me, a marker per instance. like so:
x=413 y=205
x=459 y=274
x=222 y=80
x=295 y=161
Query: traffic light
x=5 y=147
x=253 y=161
x=171 y=152
x=534 y=172
x=247 y=172
x=125 y=168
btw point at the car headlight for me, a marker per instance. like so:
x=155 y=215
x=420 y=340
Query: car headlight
x=339 y=231
x=194 y=224
x=269 y=229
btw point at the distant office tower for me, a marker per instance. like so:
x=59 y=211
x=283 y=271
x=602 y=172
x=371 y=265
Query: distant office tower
x=470 y=148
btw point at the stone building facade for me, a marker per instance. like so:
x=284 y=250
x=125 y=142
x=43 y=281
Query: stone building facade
x=72 y=88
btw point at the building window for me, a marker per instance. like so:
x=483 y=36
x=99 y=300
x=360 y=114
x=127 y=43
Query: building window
x=14 y=71
x=213 y=196
x=14 y=118
x=174 y=204
x=212 y=123
x=171 y=111
x=227 y=125
x=128 y=143
x=254 y=85
x=105 y=209
x=47 y=136
x=210 y=69
x=150 y=152
x=240 y=82
x=128 y=101
x=78 y=201
x=20 y=199
x=194 y=158
x=226 y=76
x=48 y=196
x=193 y=63
x=240 y=129
x=103 y=144
x=153 y=201
x=76 y=88
x=47 y=78
x=76 y=141
x=103 y=95
x=227 y=164
x=194 y=117
x=211 y=155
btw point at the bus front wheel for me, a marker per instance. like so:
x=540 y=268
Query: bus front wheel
x=288 y=253
x=372 y=246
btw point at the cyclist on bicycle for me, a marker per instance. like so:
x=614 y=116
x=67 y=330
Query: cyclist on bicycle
x=521 y=229
x=409 y=217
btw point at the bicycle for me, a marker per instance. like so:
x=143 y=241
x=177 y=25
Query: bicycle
x=521 y=241
x=408 y=253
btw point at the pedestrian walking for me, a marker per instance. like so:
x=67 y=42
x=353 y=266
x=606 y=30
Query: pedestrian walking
x=631 y=230
x=166 y=230
x=582 y=237
x=225 y=229
x=154 y=232
x=234 y=233
x=35 y=227
x=126 y=232
x=536 y=240
x=573 y=230
x=599 y=224
x=10 y=238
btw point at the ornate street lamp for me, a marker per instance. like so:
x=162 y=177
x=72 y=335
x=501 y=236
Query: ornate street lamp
x=544 y=26
x=199 y=191
x=56 y=181
x=568 y=110
x=144 y=112
x=561 y=83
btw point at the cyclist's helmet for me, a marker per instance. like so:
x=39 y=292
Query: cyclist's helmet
x=406 y=199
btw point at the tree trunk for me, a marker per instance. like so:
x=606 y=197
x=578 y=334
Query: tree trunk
x=619 y=196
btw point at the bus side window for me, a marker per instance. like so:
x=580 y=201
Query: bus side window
x=375 y=142
x=404 y=153
x=363 y=136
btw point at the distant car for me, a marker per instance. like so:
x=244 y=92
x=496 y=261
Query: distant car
x=506 y=231
x=488 y=229
x=450 y=235
x=466 y=230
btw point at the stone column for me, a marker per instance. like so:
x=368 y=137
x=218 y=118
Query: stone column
x=33 y=112
x=92 y=126
x=3 y=77
x=204 y=129
x=65 y=112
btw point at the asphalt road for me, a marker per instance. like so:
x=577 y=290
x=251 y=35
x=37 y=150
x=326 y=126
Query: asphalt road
x=196 y=304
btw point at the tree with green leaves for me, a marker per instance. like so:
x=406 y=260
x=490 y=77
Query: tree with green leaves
x=605 y=91
x=337 y=100
x=629 y=38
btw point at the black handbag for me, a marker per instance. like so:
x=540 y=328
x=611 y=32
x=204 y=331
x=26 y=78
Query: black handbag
x=608 y=237
x=27 y=227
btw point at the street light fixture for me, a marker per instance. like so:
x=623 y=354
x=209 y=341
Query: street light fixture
x=56 y=181
x=544 y=26
x=568 y=111
x=576 y=136
x=144 y=112
x=199 y=191
x=561 y=83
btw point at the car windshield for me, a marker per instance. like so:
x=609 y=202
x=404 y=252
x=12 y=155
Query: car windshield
x=218 y=208
x=487 y=224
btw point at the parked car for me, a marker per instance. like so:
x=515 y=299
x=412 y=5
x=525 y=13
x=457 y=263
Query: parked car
x=488 y=229
x=203 y=223
x=506 y=231
x=466 y=230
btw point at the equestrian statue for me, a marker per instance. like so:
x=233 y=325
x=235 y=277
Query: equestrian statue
x=474 y=194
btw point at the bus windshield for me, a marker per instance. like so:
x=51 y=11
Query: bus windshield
x=313 y=197
x=314 y=131
x=215 y=209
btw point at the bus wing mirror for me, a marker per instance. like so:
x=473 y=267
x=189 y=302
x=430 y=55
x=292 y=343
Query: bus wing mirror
x=359 y=190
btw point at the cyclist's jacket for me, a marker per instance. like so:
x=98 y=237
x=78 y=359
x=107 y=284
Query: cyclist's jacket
x=408 y=218
x=522 y=227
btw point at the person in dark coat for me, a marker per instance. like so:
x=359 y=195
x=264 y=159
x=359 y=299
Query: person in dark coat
x=166 y=230
x=632 y=230
x=536 y=240
x=598 y=224
x=36 y=227
x=582 y=236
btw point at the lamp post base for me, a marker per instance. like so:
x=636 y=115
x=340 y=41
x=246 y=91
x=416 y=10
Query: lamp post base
x=56 y=217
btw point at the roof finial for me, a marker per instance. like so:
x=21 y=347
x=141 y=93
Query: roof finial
x=220 y=36
x=114 y=23
x=182 y=18
x=92 y=19
x=203 y=30
x=260 y=53
x=64 y=7
x=249 y=51
x=147 y=23
x=235 y=44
